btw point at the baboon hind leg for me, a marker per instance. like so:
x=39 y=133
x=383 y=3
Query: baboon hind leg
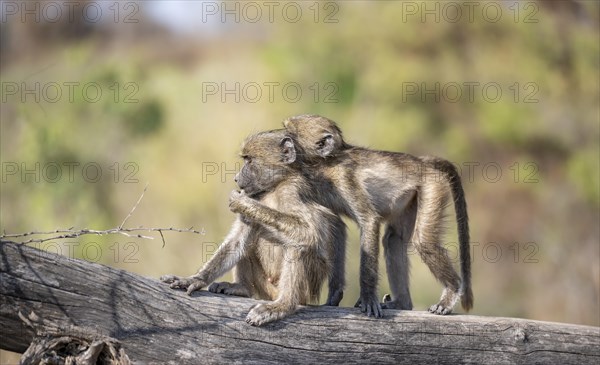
x=396 y=241
x=369 y=256
x=337 y=276
x=293 y=287
x=429 y=227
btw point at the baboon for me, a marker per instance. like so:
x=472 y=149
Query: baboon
x=407 y=193
x=283 y=244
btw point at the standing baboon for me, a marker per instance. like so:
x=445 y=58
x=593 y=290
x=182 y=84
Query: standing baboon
x=283 y=244
x=408 y=193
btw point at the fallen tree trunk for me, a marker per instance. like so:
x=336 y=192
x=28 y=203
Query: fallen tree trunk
x=155 y=324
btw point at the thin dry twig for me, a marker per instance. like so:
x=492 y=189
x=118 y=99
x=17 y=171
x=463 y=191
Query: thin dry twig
x=72 y=233
x=135 y=206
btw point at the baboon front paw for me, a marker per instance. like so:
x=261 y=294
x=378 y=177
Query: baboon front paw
x=264 y=313
x=369 y=304
x=440 y=309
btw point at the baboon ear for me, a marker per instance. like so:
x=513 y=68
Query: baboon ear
x=326 y=145
x=288 y=151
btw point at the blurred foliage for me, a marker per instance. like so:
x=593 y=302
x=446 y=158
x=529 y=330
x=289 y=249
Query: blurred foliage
x=155 y=123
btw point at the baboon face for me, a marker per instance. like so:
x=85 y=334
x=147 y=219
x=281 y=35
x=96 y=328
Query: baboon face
x=267 y=159
x=318 y=136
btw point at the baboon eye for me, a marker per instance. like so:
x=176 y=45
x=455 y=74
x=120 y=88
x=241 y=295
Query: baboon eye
x=321 y=143
x=247 y=159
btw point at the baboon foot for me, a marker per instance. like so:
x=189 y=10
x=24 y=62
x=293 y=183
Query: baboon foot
x=169 y=279
x=446 y=303
x=190 y=284
x=369 y=305
x=440 y=309
x=264 y=313
x=236 y=289
x=335 y=297
x=388 y=303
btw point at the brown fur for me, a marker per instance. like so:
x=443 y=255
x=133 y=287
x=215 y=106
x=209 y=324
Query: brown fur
x=283 y=245
x=407 y=193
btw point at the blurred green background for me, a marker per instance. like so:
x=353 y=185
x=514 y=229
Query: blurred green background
x=97 y=104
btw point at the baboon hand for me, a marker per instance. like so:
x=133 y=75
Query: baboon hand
x=369 y=304
x=190 y=284
x=235 y=200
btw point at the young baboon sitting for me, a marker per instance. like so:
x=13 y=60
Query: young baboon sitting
x=283 y=244
x=408 y=193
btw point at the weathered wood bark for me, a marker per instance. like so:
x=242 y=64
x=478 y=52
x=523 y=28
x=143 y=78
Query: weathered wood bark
x=155 y=324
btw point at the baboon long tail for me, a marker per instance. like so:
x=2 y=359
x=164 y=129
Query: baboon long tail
x=462 y=221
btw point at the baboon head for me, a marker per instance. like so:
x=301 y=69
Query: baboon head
x=268 y=158
x=318 y=136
